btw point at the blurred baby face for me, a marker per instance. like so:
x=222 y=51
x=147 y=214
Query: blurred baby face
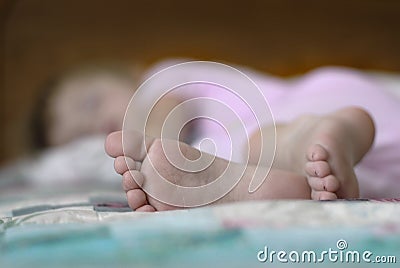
x=87 y=106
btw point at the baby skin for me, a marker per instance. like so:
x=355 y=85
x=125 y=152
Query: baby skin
x=314 y=159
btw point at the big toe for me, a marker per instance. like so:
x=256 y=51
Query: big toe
x=113 y=144
x=135 y=145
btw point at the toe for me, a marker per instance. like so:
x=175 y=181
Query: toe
x=146 y=208
x=136 y=198
x=113 y=144
x=323 y=195
x=329 y=183
x=132 y=179
x=317 y=153
x=318 y=169
x=123 y=164
x=136 y=145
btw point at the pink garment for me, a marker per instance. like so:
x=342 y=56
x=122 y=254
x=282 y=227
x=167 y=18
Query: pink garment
x=321 y=91
x=328 y=89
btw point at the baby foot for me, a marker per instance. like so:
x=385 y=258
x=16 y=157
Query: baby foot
x=142 y=166
x=129 y=166
x=326 y=149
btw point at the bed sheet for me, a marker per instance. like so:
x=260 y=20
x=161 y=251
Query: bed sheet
x=100 y=230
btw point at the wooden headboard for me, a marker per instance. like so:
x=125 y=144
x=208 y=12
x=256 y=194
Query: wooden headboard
x=42 y=38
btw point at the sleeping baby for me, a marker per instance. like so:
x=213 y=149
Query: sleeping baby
x=336 y=136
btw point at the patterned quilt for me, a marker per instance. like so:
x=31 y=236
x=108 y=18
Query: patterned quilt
x=99 y=230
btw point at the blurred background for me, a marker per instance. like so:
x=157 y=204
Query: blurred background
x=43 y=38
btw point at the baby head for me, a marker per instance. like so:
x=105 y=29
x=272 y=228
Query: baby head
x=87 y=101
